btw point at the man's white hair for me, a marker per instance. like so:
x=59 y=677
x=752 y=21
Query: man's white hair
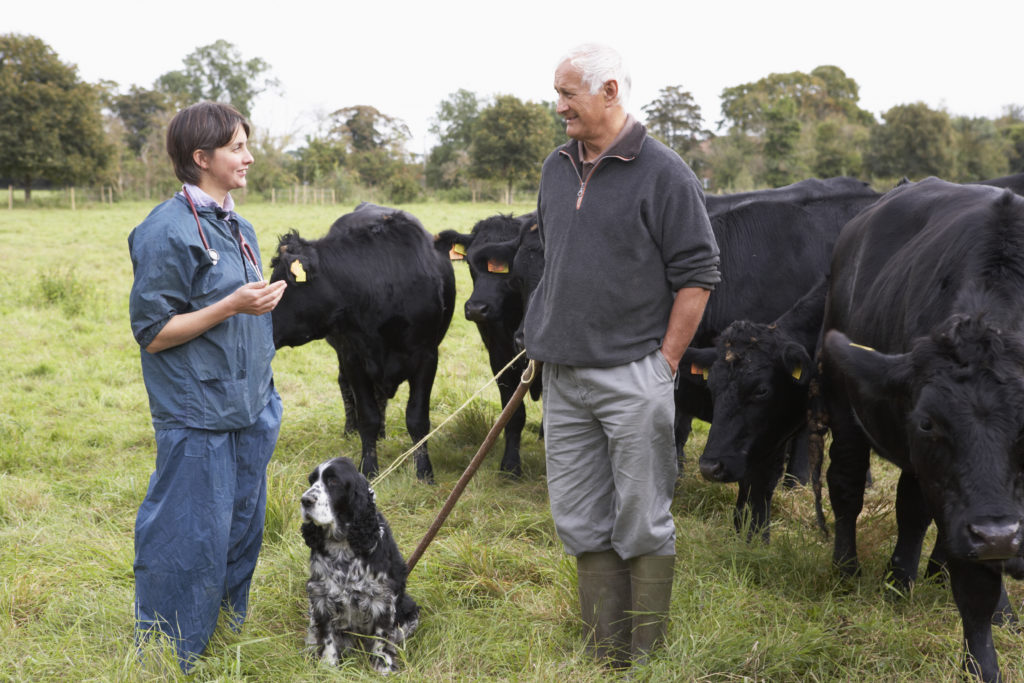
x=598 y=64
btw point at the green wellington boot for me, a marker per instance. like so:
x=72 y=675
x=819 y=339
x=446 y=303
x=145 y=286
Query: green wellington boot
x=651 y=588
x=603 y=579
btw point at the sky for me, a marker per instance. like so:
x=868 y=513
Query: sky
x=405 y=56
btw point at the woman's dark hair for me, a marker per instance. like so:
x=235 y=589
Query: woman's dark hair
x=205 y=126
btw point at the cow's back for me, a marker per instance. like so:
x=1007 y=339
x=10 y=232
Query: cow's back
x=388 y=270
x=771 y=253
x=898 y=267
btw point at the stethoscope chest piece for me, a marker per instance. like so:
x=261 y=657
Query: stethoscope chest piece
x=214 y=256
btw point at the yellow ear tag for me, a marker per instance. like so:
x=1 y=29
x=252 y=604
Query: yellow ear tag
x=495 y=266
x=298 y=271
x=697 y=370
x=861 y=346
x=798 y=372
x=457 y=252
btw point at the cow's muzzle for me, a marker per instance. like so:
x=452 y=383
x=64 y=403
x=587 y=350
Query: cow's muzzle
x=994 y=539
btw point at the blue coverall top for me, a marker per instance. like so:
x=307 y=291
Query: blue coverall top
x=222 y=379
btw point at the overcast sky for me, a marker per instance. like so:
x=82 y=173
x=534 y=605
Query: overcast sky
x=404 y=57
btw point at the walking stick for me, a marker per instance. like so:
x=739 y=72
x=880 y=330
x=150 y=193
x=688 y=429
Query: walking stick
x=474 y=464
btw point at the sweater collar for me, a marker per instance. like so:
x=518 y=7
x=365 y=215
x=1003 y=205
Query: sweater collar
x=627 y=144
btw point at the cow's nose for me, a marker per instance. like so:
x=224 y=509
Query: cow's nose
x=995 y=540
x=477 y=311
x=712 y=471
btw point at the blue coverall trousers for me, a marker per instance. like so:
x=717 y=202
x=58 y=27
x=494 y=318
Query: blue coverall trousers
x=199 y=530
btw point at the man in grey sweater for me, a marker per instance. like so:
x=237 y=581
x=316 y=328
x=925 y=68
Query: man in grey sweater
x=630 y=260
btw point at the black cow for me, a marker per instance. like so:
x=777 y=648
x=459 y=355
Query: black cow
x=804 y=190
x=749 y=370
x=924 y=362
x=758 y=374
x=773 y=253
x=1013 y=182
x=496 y=306
x=383 y=297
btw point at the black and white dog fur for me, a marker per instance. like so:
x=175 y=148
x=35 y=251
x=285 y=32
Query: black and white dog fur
x=357 y=575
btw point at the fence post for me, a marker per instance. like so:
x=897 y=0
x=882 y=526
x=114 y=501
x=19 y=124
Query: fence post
x=10 y=197
x=295 y=194
x=273 y=196
x=72 y=197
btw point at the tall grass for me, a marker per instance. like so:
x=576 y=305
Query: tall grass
x=496 y=590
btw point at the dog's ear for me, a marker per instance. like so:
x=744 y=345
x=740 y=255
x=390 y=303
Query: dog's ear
x=313 y=536
x=364 y=531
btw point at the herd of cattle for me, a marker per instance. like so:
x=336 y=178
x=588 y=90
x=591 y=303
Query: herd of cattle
x=894 y=321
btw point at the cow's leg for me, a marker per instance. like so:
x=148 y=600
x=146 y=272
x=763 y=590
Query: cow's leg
x=683 y=424
x=370 y=421
x=417 y=413
x=849 y=458
x=348 y=400
x=760 y=480
x=507 y=384
x=798 y=464
x=1004 y=614
x=382 y=408
x=976 y=590
x=912 y=520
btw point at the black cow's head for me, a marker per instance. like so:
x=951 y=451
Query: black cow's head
x=300 y=316
x=758 y=375
x=490 y=251
x=962 y=389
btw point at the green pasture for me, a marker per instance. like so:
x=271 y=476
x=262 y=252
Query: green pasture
x=496 y=591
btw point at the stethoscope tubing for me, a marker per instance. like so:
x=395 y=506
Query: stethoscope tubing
x=247 y=253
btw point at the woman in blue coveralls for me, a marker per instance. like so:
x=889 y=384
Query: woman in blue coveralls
x=199 y=310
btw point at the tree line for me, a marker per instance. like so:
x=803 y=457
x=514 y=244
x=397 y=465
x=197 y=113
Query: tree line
x=56 y=130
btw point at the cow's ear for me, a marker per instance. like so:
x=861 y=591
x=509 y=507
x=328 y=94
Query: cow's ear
x=874 y=375
x=797 y=363
x=453 y=243
x=699 y=360
x=300 y=268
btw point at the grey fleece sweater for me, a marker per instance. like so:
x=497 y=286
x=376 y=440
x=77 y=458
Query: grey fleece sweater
x=618 y=243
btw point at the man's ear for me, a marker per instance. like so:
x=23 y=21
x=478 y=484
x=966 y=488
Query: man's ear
x=611 y=91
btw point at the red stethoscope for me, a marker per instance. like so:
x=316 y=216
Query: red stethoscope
x=247 y=253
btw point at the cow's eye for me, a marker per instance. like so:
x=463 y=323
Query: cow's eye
x=925 y=425
x=761 y=391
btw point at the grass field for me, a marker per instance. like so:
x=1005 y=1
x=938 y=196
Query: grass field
x=496 y=592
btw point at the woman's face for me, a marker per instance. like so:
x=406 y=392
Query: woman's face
x=225 y=169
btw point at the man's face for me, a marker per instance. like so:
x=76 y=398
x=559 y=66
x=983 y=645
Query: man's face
x=584 y=113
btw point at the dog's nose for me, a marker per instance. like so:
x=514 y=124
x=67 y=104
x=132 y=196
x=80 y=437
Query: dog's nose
x=307 y=501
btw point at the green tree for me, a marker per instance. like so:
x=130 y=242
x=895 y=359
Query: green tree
x=448 y=162
x=826 y=91
x=1011 y=128
x=837 y=148
x=781 y=134
x=274 y=167
x=364 y=129
x=218 y=72
x=511 y=140
x=456 y=119
x=915 y=141
x=51 y=127
x=675 y=119
x=979 y=151
x=142 y=112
